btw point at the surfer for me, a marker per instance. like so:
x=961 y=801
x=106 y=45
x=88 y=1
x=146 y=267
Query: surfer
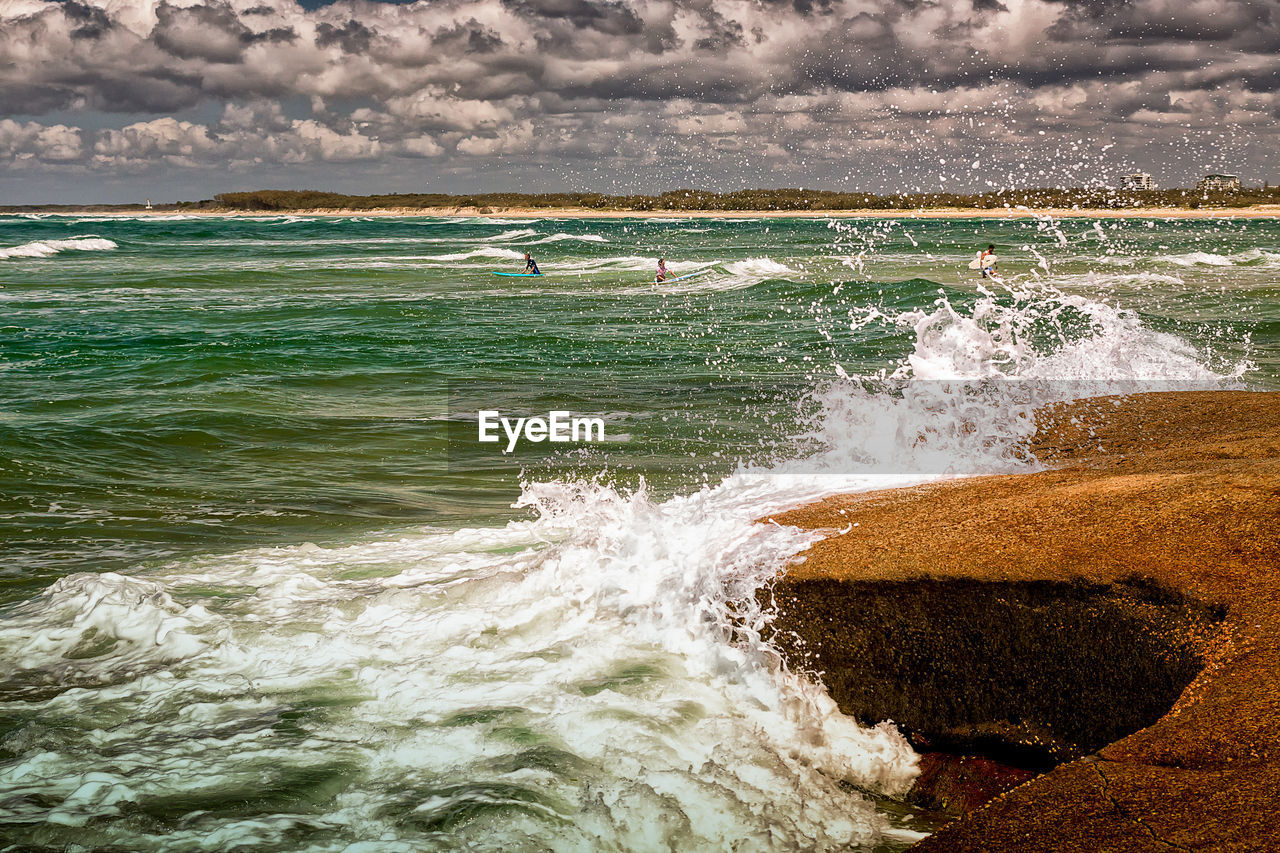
x=662 y=271
x=530 y=265
x=987 y=261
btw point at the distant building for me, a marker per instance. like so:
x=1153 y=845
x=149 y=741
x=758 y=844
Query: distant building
x=1137 y=181
x=1218 y=183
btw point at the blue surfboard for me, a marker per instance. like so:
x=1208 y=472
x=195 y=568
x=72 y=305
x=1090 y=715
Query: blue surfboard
x=687 y=275
x=519 y=274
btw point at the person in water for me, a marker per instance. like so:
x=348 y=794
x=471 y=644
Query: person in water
x=662 y=270
x=987 y=261
x=530 y=265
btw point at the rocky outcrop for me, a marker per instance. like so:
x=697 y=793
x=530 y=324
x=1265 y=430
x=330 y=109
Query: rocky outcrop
x=1115 y=620
x=1028 y=673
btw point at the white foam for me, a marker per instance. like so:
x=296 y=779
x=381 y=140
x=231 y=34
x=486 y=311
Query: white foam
x=1257 y=255
x=510 y=234
x=759 y=269
x=596 y=672
x=484 y=220
x=561 y=237
x=1103 y=279
x=49 y=248
x=601 y=631
x=1192 y=259
x=1023 y=332
x=483 y=252
x=129 y=623
x=1253 y=257
x=710 y=282
x=122 y=217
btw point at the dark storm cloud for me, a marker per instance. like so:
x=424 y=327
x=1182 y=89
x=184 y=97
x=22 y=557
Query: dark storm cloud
x=34 y=99
x=460 y=81
x=722 y=33
x=164 y=91
x=352 y=37
x=610 y=18
x=774 y=46
x=1189 y=23
x=91 y=22
x=469 y=37
x=806 y=7
x=212 y=32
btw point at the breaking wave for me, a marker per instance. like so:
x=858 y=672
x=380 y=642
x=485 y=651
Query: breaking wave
x=590 y=675
x=49 y=248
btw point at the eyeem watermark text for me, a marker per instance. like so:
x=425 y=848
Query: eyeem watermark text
x=558 y=426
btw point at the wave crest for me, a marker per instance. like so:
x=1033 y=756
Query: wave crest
x=49 y=248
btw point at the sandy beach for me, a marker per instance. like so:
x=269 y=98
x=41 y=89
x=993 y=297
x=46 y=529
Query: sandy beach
x=1268 y=211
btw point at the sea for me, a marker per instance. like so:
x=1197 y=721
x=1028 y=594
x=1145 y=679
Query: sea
x=263 y=588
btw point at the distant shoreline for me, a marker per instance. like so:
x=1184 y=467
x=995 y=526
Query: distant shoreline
x=1267 y=211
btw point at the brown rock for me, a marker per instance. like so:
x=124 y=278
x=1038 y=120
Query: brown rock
x=958 y=784
x=1182 y=489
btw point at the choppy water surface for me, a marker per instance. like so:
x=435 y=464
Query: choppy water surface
x=257 y=594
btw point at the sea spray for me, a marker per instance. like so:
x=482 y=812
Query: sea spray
x=576 y=678
x=582 y=672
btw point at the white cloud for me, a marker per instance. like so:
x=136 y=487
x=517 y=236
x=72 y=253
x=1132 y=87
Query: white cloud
x=592 y=87
x=509 y=140
x=138 y=145
x=31 y=141
x=421 y=146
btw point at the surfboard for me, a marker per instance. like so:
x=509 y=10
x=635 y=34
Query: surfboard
x=976 y=263
x=686 y=275
x=519 y=274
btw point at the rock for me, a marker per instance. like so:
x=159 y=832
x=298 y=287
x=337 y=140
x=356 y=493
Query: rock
x=955 y=785
x=1177 y=494
x=1029 y=673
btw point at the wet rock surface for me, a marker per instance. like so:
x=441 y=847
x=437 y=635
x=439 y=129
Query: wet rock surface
x=1158 y=536
x=1028 y=673
x=954 y=785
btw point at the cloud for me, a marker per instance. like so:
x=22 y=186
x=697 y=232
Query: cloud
x=210 y=32
x=421 y=146
x=141 y=143
x=90 y=21
x=509 y=140
x=26 y=143
x=596 y=89
x=351 y=37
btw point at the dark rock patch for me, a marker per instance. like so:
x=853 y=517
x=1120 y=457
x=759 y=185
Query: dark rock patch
x=1016 y=676
x=954 y=785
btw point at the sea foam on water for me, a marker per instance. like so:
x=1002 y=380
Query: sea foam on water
x=590 y=677
x=49 y=248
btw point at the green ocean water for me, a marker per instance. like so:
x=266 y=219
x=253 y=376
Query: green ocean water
x=215 y=383
x=213 y=408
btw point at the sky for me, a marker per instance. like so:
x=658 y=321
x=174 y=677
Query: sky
x=120 y=100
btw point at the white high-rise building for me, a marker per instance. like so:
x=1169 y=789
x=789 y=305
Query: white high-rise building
x=1211 y=183
x=1137 y=181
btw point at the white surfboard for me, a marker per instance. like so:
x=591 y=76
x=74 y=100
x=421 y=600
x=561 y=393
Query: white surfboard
x=976 y=263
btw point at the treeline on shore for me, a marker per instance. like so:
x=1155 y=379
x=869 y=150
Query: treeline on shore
x=780 y=199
